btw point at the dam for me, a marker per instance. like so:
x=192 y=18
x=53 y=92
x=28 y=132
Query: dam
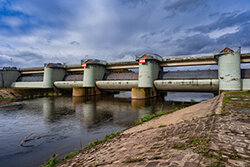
x=145 y=77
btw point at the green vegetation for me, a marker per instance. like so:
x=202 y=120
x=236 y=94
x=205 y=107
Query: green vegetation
x=156 y=157
x=5 y=98
x=192 y=101
x=200 y=145
x=54 y=160
x=149 y=117
x=239 y=93
x=226 y=100
x=131 y=160
x=156 y=147
x=54 y=94
x=72 y=154
x=161 y=126
x=96 y=142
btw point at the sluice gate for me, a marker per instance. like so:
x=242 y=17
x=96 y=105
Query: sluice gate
x=149 y=75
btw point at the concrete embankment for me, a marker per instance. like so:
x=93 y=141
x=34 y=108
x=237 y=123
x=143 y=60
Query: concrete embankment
x=211 y=133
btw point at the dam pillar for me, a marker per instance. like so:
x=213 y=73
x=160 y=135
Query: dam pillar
x=94 y=70
x=53 y=72
x=149 y=68
x=229 y=71
x=8 y=75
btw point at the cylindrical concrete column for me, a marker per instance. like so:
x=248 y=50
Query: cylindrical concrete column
x=148 y=72
x=47 y=78
x=52 y=73
x=229 y=71
x=92 y=73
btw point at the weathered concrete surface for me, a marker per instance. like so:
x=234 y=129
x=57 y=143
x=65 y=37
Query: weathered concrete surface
x=199 y=110
x=182 y=139
x=143 y=93
x=81 y=92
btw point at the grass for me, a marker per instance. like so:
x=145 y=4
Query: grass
x=5 y=98
x=55 y=160
x=52 y=162
x=200 y=145
x=156 y=157
x=149 y=117
x=96 y=142
x=227 y=100
x=239 y=93
x=192 y=101
x=132 y=160
x=153 y=148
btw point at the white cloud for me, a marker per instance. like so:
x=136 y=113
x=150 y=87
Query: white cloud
x=220 y=32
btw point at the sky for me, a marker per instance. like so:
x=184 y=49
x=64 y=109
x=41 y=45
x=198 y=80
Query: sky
x=34 y=32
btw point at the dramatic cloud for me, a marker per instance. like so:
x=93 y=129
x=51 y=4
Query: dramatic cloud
x=34 y=32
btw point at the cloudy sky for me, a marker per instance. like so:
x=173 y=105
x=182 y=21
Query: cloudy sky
x=33 y=32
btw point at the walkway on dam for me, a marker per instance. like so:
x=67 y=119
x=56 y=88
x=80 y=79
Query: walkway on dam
x=211 y=133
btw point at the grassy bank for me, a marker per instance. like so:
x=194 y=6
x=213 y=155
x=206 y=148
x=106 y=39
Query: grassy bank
x=54 y=160
x=20 y=94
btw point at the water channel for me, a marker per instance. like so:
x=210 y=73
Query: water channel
x=62 y=125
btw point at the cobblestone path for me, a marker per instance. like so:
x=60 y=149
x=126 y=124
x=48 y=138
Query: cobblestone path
x=213 y=140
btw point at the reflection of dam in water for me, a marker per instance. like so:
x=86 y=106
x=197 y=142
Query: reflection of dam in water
x=95 y=109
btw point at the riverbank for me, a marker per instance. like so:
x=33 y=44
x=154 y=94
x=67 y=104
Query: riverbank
x=12 y=94
x=211 y=133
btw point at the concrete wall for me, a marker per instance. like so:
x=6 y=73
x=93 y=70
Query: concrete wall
x=8 y=77
x=245 y=84
x=27 y=85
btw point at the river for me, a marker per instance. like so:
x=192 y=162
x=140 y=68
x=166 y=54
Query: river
x=60 y=125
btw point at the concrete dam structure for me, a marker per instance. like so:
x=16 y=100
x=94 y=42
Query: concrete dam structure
x=93 y=76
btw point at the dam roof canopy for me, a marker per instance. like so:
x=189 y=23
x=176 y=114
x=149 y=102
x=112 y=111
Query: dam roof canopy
x=94 y=61
x=151 y=56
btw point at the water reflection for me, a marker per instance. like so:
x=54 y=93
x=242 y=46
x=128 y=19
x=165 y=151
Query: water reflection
x=64 y=124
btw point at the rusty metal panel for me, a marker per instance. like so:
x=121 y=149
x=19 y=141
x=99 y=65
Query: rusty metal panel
x=74 y=77
x=245 y=73
x=30 y=78
x=122 y=76
x=200 y=74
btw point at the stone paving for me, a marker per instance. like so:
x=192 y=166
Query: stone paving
x=213 y=140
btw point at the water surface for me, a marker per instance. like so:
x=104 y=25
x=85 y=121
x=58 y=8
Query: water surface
x=64 y=124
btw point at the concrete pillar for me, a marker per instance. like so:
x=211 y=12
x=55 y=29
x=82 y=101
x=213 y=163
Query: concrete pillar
x=229 y=71
x=149 y=69
x=86 y=91
x=8 y=75
x=53 y=72
x=94 y=70
x=143 y=93
x=92 y=73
